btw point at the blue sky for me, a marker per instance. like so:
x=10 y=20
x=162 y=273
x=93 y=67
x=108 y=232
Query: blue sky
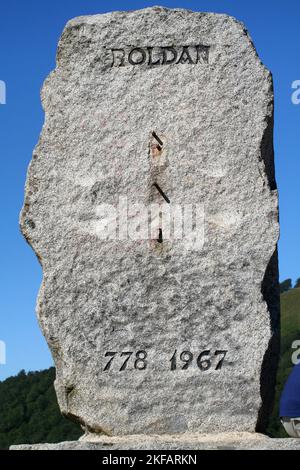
x=29 y=32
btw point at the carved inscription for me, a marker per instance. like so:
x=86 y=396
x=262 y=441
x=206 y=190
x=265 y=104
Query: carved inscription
x=138 y=360
x=164 y=55
x=204 y=359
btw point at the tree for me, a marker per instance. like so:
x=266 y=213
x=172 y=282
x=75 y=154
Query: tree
x=297 y=284
x=29 y=412
x=285 y=285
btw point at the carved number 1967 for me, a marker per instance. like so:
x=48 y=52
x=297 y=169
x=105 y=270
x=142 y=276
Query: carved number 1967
x=204 y=359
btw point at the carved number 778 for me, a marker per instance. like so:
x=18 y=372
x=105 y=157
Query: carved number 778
x=140 y=362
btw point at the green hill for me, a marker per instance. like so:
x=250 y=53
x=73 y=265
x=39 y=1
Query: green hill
x=290 y=331
x=290 y=318
x=29 y=412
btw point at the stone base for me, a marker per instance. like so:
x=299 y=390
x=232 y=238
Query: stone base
x=223 y=441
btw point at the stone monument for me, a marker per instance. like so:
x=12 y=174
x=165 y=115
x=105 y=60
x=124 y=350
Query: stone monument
x=151 y=203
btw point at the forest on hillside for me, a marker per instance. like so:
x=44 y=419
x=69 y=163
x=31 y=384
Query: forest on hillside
x=29 y=411
x=290 y=332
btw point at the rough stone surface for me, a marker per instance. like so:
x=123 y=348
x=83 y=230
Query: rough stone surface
x=212 y=108
x=233 y=441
